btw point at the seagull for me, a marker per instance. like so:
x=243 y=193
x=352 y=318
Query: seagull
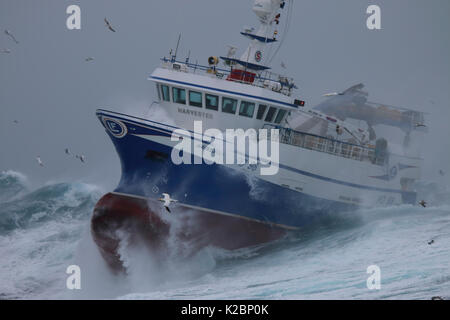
x=423 y=203
x=38 y=159
x=283 y=65
x=431 y=242
x=441 y=172
x=5 y=51
x=81 y=157
x=9 y=34
x=16 y=121
x=437 y=298
x=109 y=25
x=67 y=151
x=420 y=125
x=167 y=201
x=88 y=59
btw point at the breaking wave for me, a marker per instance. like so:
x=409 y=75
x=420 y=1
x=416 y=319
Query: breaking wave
x=45 y=230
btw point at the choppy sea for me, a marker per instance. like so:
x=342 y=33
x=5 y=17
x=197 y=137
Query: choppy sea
x=45 y=230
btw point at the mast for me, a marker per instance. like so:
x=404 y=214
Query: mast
x=268 y=14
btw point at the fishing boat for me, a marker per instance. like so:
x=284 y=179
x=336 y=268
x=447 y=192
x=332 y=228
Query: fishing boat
x=322 y=160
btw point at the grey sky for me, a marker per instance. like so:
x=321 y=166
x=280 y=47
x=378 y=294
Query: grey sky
x=46 y=84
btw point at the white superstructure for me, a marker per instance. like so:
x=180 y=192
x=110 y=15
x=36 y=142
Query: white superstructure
x=242 y=93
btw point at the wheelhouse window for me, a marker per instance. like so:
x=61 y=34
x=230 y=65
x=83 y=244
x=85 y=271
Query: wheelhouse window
x=179 y=95
x=165 y=92
x=270 y=114
x=195 y=99
x=261 y=110
x=280 y=116
x=229 y=105
x=158 y=90
x=212 y=102
x=247 y=109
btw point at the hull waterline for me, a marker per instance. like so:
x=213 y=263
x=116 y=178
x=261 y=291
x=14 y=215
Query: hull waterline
x=146 y=223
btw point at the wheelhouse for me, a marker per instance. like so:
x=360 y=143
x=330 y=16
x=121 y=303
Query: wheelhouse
x=204 y=104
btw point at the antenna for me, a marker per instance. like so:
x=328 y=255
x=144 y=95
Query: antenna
x=178 y=44
x=188 y=57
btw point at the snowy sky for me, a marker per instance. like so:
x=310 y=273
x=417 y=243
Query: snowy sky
x=47 y=86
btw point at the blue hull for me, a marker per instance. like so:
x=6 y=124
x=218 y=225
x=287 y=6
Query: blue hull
x=147 y=170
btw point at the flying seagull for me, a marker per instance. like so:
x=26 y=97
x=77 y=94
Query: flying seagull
x=423 y=203
x=109 y=25
x=81 y=157
x=9 y=34
x=67 y=151
x=38 y=159
x=167 y=201
x=441 y=172
x=420 y=125
x=5 y=51
x=88 y=59
x=16 y=121
x=431 y=242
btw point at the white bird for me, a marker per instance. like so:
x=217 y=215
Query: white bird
x=283 y=65
x=16 y=121
x=5 y=51
x=89 y=59
x=67 y=151
x=81 y=157
x=418 y=125
x=9 y=34
x=167 y=201
x=38 y=159
x=109 y=25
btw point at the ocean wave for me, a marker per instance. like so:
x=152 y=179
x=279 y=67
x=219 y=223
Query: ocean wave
x=60 y=202
x=12 y=185
x=39 y=235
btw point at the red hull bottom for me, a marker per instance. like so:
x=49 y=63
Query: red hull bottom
x=146 y=222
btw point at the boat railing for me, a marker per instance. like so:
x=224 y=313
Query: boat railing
x=327 y=145
x=264 y=79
